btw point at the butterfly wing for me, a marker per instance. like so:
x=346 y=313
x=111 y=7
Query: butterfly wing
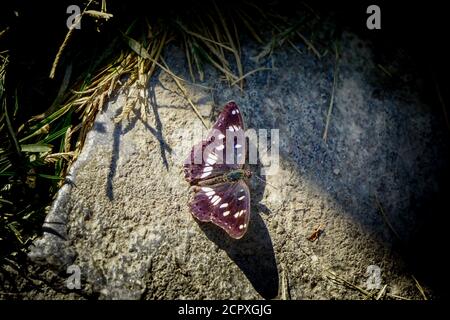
x=230 y=119
x=208 y=159
x=227 y=205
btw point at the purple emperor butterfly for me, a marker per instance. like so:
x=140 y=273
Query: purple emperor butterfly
x=215 y=168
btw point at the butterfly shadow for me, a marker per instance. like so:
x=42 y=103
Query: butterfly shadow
x=253 y=253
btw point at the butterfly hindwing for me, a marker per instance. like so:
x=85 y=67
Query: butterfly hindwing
x=225 y=204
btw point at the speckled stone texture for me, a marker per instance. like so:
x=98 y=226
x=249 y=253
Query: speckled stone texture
x=124 y=219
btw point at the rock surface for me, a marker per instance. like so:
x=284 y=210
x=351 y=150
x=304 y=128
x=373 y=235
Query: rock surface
x=124 y=219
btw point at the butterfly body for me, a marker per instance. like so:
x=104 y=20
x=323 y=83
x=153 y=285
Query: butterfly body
x=238 y=174
x=221 y=194
x=234 y=175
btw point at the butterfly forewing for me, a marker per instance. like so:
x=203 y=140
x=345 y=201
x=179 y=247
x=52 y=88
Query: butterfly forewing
x=229 y=120
x=225 y=204
x=208 y=159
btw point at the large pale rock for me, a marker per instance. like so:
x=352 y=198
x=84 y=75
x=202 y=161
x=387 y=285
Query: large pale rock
x=124 y=219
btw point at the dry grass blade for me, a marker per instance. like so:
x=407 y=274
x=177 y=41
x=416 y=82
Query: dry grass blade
x=266 y=51
x=191 y=55
x=333 y=89
x=334 y=277
x=309 y=44
x=246 y=20
x=396 y=296
x=218 y=52
x=60 y=51
x=286 y=34
x=277 y=40
x=186 y=96
x=224 y=70
x=12 y=134
x=3 y=32
x=198 y=65
x=64 y=44
x=67 y=138
x=98 y=14
x=140 y=50
x=41 y=131
x=307 y=6
x=234 y=46
x=368 y=295
x=206 y=39
x=236 y=36
x=385 y=218
x=147 y=62
x=285 y=289
x=52 y=158
x=249 y=74
x=265 y=181
x=188 y=57
x=441 y=101
x=386 y=71
x=158 y=50
x=419 y=287
x=381 y=293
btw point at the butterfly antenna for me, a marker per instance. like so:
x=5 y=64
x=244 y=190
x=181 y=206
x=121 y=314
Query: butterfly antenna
x=265 y=181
